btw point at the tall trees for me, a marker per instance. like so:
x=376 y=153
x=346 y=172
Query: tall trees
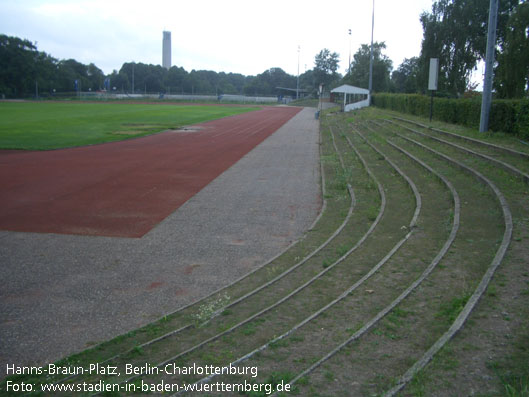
x=455 y=32
x=142 y=77
x=267 y=82
x=231 y=83
x=325 y=67
x=404 y=79
x=96 y=77
x=119 y=81
x=22 y=66
x=174 y=80
x=512 y=74
x=307 y=82
x=24 y=69
x=68 y=71
x=382 y=66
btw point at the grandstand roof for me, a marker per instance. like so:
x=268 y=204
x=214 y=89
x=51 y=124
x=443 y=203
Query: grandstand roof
x=350 y=89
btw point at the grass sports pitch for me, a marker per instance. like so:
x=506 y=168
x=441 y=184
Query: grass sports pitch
x=51 y=125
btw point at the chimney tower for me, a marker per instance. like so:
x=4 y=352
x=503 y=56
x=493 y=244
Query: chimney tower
x=166 y=50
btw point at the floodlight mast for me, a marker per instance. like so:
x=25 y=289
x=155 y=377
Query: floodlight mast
x=133 y=77
x=371 y=54
x=297 y=85
x=486 y=98
x=349 y=69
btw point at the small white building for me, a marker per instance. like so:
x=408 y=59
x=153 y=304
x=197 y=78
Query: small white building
x=353 y=97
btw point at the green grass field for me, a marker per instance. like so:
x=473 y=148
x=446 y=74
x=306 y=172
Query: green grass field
x=43 y=126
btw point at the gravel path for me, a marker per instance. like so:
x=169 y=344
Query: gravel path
x=62 y=293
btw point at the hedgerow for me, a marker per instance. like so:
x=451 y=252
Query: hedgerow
x=511 y=116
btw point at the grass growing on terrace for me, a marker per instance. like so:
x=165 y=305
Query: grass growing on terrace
x=44 y=126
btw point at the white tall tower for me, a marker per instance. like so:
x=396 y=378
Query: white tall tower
x=166 y=50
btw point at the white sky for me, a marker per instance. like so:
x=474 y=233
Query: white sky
x=236 y=36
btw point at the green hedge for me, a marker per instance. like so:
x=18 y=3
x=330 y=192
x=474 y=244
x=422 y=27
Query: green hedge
x=510 y=116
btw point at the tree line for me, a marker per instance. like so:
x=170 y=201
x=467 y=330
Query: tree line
x=454 y=31
x=24 y=71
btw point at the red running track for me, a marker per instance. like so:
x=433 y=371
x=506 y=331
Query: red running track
x=125 y=188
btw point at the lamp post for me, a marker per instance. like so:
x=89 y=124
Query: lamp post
x=297 y=85
x=132 y=77
x=371 y=54
x=349 y=69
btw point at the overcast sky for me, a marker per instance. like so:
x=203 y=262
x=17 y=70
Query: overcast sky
x=236 y=36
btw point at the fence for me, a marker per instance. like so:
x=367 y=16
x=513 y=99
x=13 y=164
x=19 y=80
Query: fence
x=102 y=96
